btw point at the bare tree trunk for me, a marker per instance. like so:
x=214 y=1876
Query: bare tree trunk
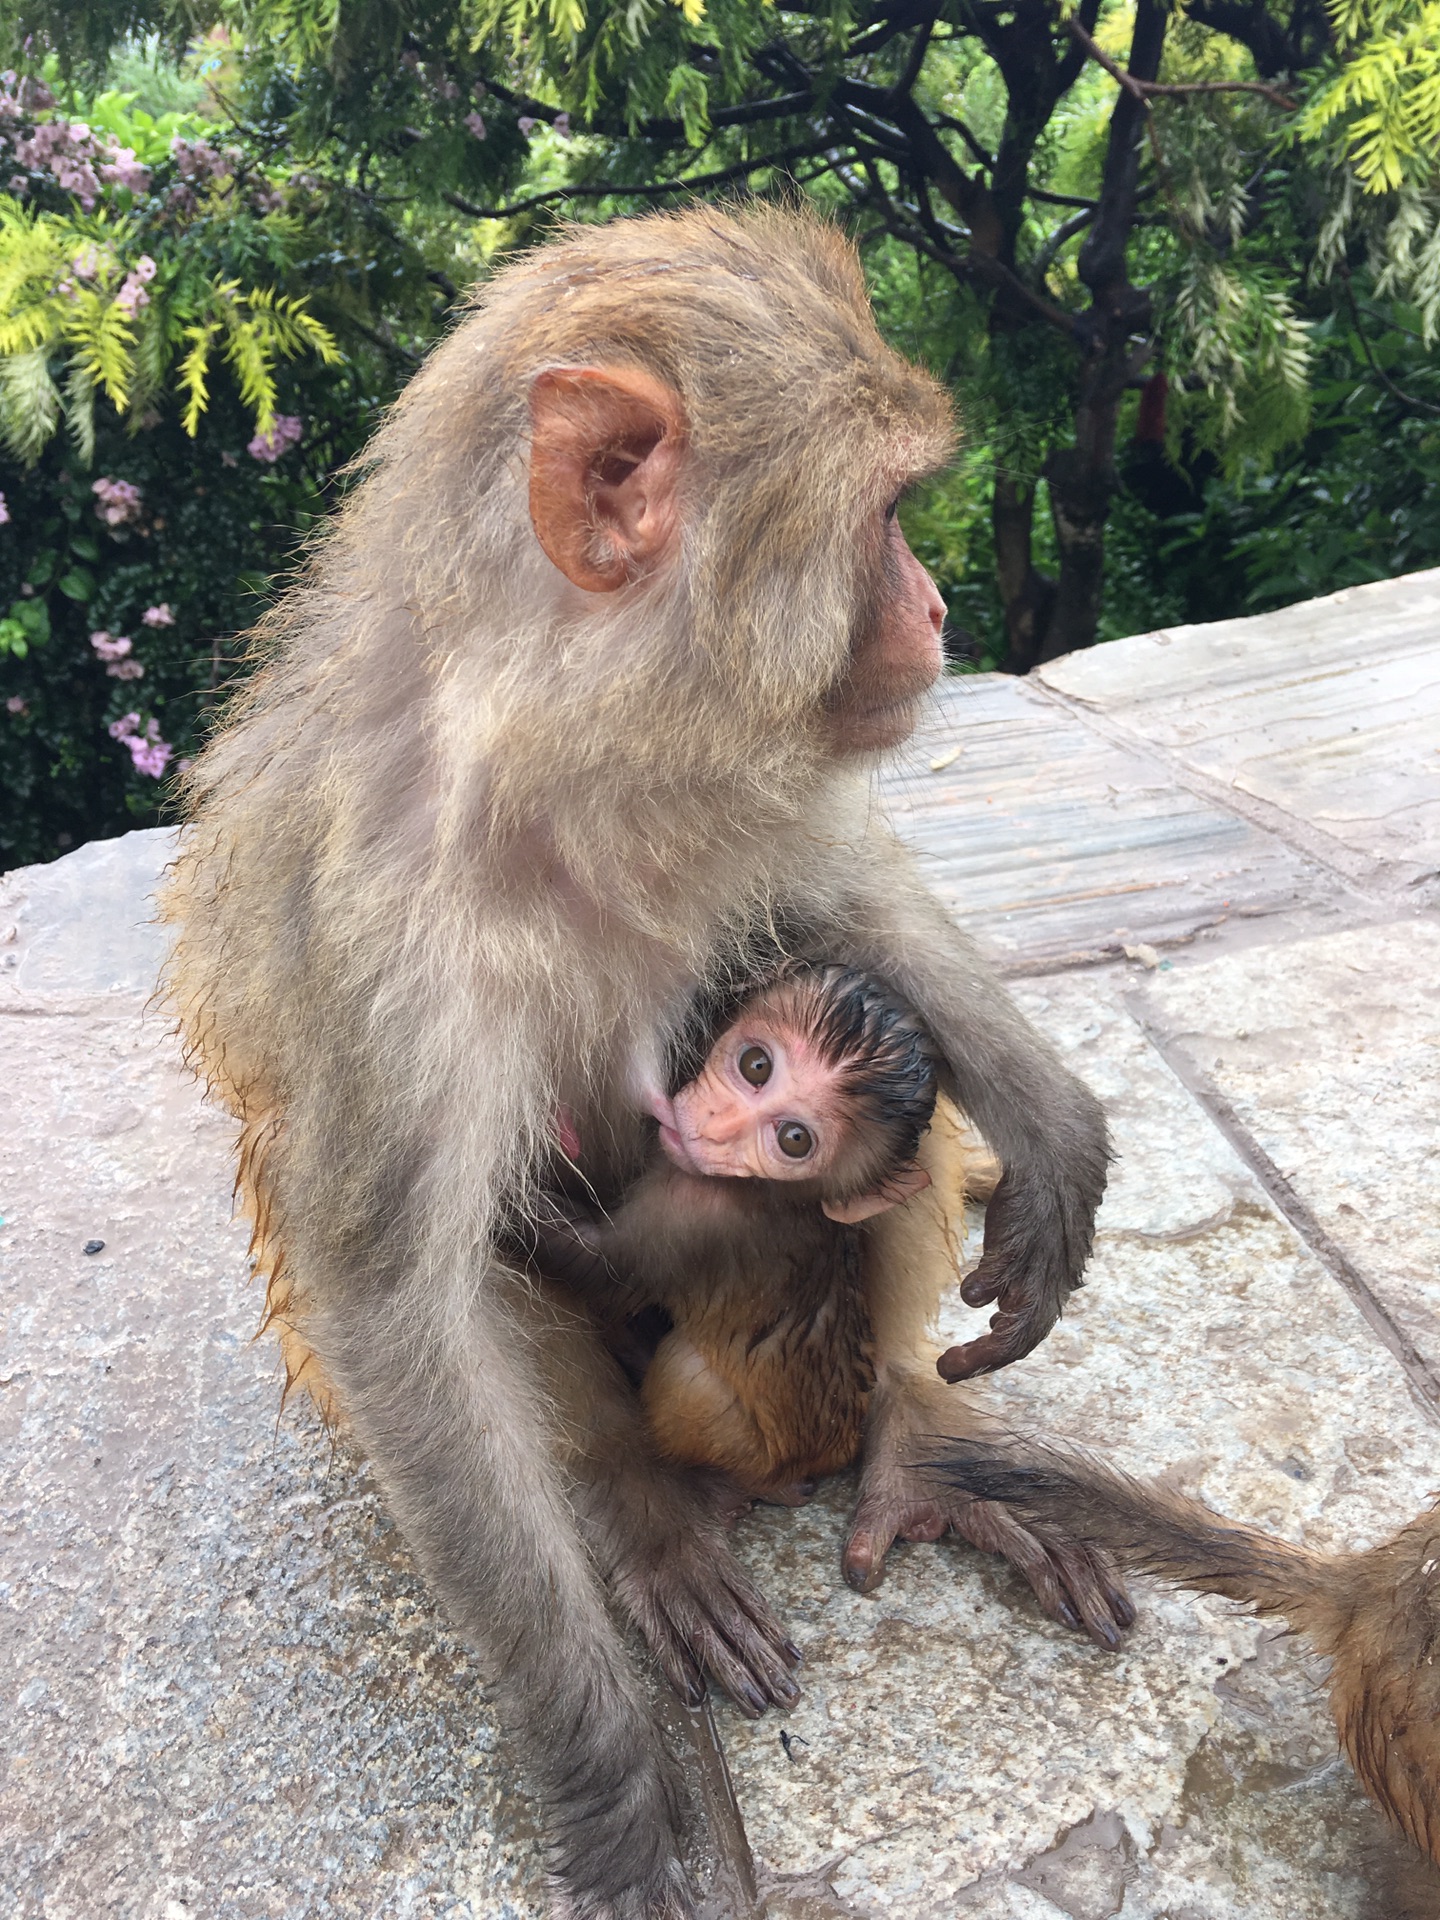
x=1114 y=334
x=1027 y=594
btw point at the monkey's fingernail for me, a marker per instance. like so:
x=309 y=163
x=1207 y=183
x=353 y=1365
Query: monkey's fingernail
x=1123 y=1609
x=792 y=1653
x=1108 y=1636
x=1067 y=1614
x=786 y=1690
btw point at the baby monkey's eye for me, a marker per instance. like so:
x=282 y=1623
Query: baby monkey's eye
x=793 y=1140
x=755 y=1066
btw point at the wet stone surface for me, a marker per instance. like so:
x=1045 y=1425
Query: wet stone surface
x=227 y=1692
x=956 y=1737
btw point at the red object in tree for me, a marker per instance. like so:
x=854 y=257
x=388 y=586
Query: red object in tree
x=1150 y=426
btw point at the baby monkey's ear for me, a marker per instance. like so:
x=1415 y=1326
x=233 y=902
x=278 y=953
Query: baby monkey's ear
x=900 y=1186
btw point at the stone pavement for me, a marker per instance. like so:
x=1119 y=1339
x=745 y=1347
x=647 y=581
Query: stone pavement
x=1208 y=858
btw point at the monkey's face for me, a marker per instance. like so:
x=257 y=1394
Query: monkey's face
x=764 y=1106
x=895 y=651
x=767 y=1106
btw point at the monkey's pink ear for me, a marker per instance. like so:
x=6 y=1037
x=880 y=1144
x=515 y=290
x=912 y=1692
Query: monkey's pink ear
x=898 y=1188
x=606 y=445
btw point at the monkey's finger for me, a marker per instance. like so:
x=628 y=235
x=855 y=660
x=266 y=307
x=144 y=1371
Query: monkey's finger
x=1011 y=1336
x=1061 y=1576
x=762 y=1643
x=1096 y=1589
x=729 y=1670
x=678 y=1666
x=863 y=1561
x=983 y=1286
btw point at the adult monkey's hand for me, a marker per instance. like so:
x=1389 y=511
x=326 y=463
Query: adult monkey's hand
x=1029 y=1302
x=1043 y=1123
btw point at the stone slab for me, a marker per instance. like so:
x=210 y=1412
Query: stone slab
x=1327 y=1052
x=85 y=924
x=226 y=1690
x=1055 y=845
x=1328 y=711
x=957 y=1741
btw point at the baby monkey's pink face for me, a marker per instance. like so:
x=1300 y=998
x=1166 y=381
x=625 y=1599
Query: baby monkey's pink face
x=764 y=1106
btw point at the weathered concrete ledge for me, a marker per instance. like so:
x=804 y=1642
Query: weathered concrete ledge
x=228 y=1692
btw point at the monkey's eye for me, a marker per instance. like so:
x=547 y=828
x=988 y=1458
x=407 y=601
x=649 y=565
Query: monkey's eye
x=893 y=508
x=793 y=1140
x=755 y=1066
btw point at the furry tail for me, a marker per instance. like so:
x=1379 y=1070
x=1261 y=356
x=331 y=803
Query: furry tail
x=1055 y=1490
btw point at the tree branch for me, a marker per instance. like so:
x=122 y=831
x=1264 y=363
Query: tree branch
x=608 y=189
x=1147 y=90
x=1396 y=393
x=910 y=72
x=746 y=113
x=1067 y=230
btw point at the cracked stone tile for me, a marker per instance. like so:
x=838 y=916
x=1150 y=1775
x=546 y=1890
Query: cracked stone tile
x=955 y=1736
x=1327 y=1051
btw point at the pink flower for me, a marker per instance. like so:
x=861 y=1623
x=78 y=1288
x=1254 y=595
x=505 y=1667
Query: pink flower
x=561 y=125
x=122 y=169
x=197 y=161
x=118 y=501
x=110 y=646
x=4 y=512
x=125 y=670
x=525 y=123
x=132 y=296
x=86 y=263
x=475 y=121
x=16 y=705
x=18 y=183
x=149 y=752
x=160 y=616
x=145 y=268
x=282 y=436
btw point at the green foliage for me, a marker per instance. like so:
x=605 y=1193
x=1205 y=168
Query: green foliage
x=362 y=160
x=1378 y=103
x=112 y=299
x=211 y=527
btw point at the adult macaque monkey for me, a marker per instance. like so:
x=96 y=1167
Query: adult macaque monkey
x=581 y=689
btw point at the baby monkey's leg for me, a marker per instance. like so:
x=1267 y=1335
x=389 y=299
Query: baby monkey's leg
x=902 y=1499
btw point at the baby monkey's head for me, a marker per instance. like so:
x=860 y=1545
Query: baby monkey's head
x=822 y=1076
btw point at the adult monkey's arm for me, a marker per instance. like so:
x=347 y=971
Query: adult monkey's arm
x=1043 y=1122
x=447 y=1411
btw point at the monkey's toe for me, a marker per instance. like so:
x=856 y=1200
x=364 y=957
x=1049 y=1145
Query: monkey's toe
x=1075 y=1583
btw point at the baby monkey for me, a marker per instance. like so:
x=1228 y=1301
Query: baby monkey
x=803 y=1121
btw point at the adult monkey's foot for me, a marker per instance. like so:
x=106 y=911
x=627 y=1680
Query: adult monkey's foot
x=705 y=1619
x=901 y=1499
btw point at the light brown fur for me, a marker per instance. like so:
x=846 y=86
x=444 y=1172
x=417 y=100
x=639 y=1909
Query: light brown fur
x=474 y=832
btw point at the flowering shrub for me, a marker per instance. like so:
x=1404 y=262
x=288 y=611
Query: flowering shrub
x=149 y=753
x=119 y=501
x=152 y=477
x=111 y=280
